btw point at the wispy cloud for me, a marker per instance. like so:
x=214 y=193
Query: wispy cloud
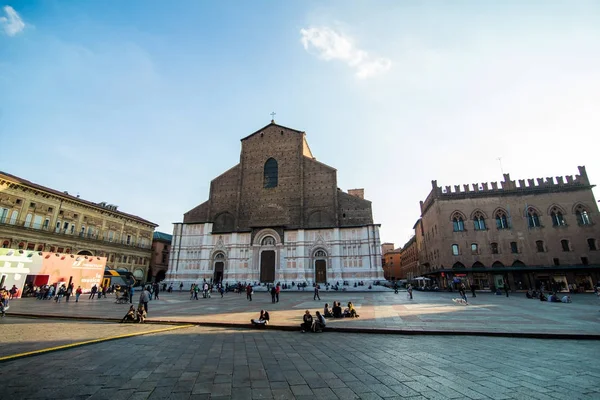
x=12 y=23
x=331 y=45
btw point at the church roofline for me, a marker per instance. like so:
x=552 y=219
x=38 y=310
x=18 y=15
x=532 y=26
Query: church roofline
x=268 y=125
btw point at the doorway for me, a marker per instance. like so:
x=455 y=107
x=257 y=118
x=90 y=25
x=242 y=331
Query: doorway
x=218 y=275
x=267 y=266
x=321 y=271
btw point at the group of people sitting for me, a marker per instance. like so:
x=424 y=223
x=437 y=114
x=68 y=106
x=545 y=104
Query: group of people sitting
x=553 y=298
x=336 y=311
x=316 y=323
x=134 y=315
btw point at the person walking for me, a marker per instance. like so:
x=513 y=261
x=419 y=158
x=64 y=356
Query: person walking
x=78 y=293
x=462 y=291
x=69 y=292
x=93 y=293
x=249 y=292
x=395 y=287
x=506 y=288
x=145 y=298
x=156 y=290
x=473 y=289
x=131 y=294
x=409 y=290
x=316 y=295
x=273 y=292
x=277 y=290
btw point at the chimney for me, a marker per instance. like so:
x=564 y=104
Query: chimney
x=360 y=193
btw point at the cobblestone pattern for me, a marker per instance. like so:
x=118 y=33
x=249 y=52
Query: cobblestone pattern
x=202 y=363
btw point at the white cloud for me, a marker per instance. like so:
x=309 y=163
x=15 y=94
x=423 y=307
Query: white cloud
x=12 y=23
x=331 y=45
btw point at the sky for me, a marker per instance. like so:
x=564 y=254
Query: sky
x=142 y=103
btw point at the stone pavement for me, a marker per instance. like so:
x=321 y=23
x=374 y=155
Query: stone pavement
x=20 y=335
x=431 y=312
x=215 y=363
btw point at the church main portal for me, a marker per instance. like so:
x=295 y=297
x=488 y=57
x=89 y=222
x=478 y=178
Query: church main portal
x=267 y=266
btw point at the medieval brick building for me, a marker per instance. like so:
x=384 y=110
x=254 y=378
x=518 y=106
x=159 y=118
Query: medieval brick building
x=277 y=216
x=526 y=234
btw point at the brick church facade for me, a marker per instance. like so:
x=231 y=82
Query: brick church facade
x=277 y=216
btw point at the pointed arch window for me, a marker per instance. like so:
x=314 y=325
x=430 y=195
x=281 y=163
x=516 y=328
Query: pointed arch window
x=583 y=218
x=533 y=218
x=501 y=220
x=271 y=173
x=557 y=217
x=458 y=223
x=479 y=222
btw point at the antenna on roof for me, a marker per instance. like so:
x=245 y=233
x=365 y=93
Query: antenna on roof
x=500 y=161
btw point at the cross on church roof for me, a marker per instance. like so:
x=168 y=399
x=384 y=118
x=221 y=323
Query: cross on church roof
x=273 y=116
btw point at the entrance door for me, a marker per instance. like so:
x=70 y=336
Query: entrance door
x=321 y=271
x=218 y=275
x=267 y=266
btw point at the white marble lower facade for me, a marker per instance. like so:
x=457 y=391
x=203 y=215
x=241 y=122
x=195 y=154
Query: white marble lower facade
x=304 y=255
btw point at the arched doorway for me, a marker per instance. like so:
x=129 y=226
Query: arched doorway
x=320 y=266
x=160 y=275
x=267 y=260
x=219 y=267
x=84 y=253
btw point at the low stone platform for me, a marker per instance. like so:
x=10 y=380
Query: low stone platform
x=385 y=312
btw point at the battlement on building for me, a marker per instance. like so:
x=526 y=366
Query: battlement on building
x=507 y=187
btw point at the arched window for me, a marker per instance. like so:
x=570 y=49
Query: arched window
x=219 y=256
x=494 y=247
x=458 y=265
x=533 y=218
x=479 y=222
x=539 y=244
x=454 y=249
x=458 y=223
x=271 y=173
x=497 y=264
x=477 y=264
x=583 y=218
x=268 y=241
x=501 y=220
x=557 y=217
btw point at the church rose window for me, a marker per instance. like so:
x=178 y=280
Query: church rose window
x=271 y=173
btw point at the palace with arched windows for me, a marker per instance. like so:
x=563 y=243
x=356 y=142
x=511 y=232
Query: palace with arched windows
x=534 y=232
x=277 y=216
x=36 y=218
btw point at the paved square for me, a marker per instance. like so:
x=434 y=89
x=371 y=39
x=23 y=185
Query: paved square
x=215 y=363
x=427 y=311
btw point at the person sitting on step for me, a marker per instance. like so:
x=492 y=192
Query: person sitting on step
x=337 y=310
x=318 y=323
x=306 y=325
x=327 y=312
x=130 y=316
x=263 y=319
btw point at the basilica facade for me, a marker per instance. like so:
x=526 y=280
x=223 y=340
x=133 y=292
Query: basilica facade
x=277 y=216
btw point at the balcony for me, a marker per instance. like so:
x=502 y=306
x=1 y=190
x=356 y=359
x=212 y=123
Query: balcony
x=47 y=230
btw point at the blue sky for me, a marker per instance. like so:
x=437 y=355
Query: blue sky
x=142 y=103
